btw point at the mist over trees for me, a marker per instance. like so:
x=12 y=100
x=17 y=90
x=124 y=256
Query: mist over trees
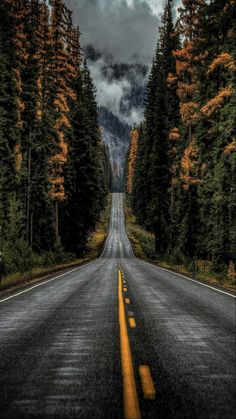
x=181 y=180
x=54 y=167
x=120 y=86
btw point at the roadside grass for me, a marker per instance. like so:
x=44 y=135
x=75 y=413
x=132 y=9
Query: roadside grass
x=98 y=238
x=93 y=250
x=143 y=245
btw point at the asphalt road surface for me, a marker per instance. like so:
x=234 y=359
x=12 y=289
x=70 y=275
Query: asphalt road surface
x=72 y=346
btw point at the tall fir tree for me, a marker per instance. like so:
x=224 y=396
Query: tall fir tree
x=84 y=174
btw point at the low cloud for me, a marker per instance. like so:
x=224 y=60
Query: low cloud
x=126 y=30
x=122 y=93
x=109 y=91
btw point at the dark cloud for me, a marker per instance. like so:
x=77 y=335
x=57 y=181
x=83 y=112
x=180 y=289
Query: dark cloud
x=126 y=30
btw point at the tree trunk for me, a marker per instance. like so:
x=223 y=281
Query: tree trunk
x=171 y=216
x=156 y=242
x=190 y=131
x=56 y=221
x=31 y=228
x=28 y=195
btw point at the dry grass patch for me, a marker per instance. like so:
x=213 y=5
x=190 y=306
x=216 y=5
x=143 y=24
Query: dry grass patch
x=97 y=240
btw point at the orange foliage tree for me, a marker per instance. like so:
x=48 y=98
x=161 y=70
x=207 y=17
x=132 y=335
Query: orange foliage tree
x=225 y=61
x=63 y=67
x=189 y=165
x=18 y=11
x=187 y=60
x=132 y=159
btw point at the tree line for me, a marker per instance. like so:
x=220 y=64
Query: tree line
x=54 y=167
x=181 y=164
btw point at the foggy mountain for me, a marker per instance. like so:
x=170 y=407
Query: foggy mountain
x=116 y=136
x=120 y=94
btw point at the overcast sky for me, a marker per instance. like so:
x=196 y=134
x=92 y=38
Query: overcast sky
x=127 y=29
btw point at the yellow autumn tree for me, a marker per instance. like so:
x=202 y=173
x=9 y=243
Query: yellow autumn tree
x=134 y=135
x=187 y=84
x=18 y=11
x=217 y=102
x=230 y=148
x=63 y=68
x=224 y=61
x=18 y=157
x=189 y=165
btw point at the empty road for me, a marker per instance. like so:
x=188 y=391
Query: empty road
x=117 y=338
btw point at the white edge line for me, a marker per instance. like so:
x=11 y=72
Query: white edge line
x=46 y=282
x=189 y=279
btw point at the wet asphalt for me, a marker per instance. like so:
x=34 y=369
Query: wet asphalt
x=60 y=349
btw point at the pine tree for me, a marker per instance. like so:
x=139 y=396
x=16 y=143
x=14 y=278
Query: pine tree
x=84 y=174
x=217 y=148
x=161 y=115
x=139 y=189
x=10 y=105
x=157 y=175
x=32 y=114
x=59 y=66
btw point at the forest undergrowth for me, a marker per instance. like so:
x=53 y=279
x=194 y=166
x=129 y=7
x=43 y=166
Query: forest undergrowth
x=41 y=266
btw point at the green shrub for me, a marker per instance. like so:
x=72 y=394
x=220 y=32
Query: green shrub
x=147 y=243
x=16 y=258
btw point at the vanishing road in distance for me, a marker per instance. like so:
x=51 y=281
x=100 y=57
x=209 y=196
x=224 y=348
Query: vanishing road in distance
x=118 y=338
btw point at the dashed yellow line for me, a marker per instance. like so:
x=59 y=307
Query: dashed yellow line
x=132 y=322
x=125 y=289
x=131 y=403
x=127 y=300
x=148 y=387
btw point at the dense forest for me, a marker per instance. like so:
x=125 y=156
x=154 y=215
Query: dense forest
x=181 y=164
x=113 y=123
x=54 y=167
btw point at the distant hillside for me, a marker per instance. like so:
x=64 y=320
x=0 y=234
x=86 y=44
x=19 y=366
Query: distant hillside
x=116 y=136
x=112 y=123
x=135 y=75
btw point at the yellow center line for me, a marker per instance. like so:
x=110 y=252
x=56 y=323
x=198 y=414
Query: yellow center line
x=132 y=322
x=125 y=289
x=131 y=403
x=148 y=387
x=127 y=300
